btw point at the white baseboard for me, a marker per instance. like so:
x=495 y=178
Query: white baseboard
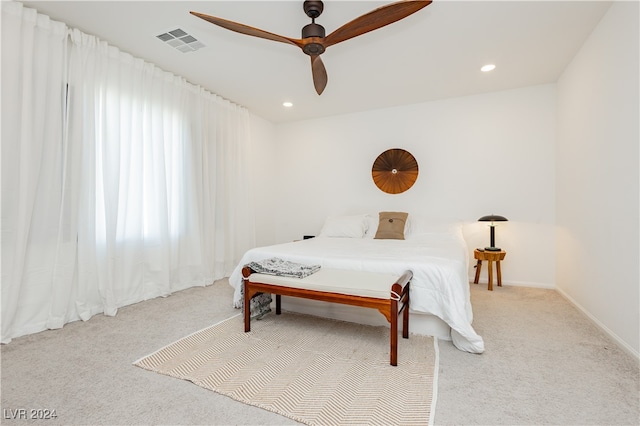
x=517 y=283
x=601 y=326
x=529 y=284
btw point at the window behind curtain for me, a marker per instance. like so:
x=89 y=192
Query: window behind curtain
x=142 y=165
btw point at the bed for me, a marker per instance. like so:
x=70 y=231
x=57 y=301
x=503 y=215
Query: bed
x=436 y=253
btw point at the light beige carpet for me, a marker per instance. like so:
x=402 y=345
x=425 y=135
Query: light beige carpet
x=310 y=369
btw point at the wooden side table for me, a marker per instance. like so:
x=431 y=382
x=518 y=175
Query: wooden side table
x=489 y=256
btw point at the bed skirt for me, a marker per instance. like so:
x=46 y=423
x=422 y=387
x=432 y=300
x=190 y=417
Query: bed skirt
x=420 y=323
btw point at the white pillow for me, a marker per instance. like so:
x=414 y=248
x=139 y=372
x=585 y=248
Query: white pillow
x=371 y=222
x=422 y=225
x=344 y=227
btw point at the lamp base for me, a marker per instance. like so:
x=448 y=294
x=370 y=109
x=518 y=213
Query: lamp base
x=492 y=248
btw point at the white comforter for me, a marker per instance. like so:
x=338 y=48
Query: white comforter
x=439 y=262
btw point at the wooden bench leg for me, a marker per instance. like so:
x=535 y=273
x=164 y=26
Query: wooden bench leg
x=278 y=304
x=247 y=308
x=393 y=332
x=405 y=319
x=478 y=268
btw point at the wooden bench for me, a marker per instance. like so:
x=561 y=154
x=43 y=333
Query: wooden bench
x=387 y=293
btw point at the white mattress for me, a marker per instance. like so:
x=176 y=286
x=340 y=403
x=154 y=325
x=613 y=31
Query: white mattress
x=439 y=262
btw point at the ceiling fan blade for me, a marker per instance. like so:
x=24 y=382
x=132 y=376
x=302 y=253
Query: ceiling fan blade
x=319 y=74
x=245 y=29
x=375 y=19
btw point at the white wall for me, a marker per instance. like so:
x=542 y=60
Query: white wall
x=597 y=176
x=260 y=168
x=490 y=153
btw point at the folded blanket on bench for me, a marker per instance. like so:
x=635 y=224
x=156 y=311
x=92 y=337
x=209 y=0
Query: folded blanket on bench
x=283 y=268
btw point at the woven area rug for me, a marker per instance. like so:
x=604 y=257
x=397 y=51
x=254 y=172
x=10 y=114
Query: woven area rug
x=313 y=370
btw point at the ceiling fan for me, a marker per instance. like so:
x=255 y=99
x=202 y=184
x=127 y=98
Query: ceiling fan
x=314 y=42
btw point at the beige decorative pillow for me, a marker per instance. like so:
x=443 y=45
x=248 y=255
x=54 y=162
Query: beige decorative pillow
x=391 y=226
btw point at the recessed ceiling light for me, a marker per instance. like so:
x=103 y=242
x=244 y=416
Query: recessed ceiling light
x=287 y=104
x=488 y=67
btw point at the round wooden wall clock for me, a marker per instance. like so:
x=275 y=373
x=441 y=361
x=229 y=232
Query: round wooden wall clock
x=395 y=171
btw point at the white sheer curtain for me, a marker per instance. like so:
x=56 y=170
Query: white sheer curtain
x=147 y=171
x=33 y=52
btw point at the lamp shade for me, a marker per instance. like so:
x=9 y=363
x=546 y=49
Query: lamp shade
x=493 y=218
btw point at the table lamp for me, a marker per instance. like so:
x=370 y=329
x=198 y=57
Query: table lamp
x=492 y=219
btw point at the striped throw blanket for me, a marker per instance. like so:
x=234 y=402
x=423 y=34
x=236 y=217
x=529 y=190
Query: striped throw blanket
x=283 y=268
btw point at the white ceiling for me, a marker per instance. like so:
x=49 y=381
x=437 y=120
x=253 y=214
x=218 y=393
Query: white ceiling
x=434 y=54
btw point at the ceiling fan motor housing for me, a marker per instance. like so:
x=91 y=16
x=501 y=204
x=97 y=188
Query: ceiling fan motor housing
x=313 y=30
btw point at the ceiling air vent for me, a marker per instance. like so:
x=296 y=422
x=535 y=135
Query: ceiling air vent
x=181 y=40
